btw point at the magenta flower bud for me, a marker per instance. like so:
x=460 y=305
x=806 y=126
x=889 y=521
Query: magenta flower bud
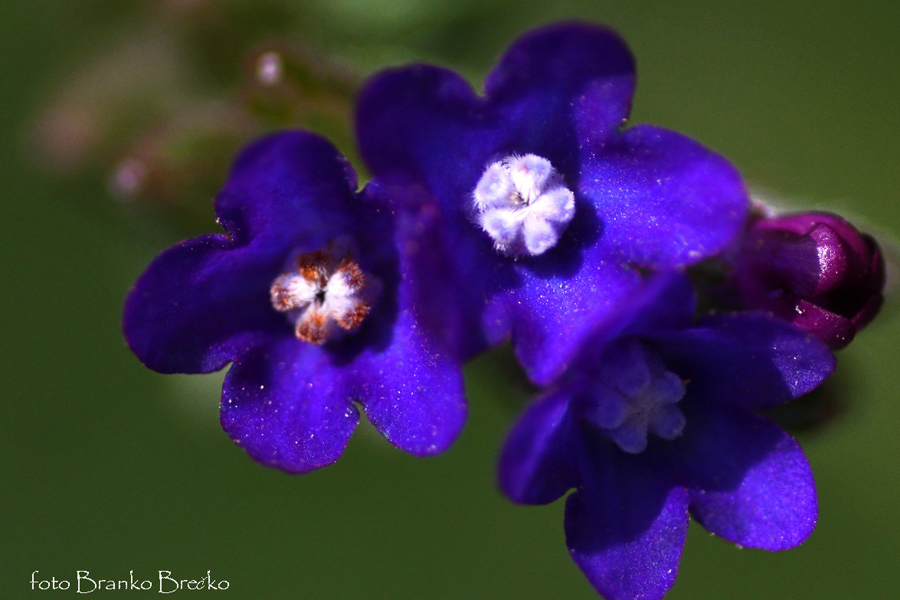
x=813 y=269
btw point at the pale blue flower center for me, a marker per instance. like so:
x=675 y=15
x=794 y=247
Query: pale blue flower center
x=636 y=395
x=523 y=205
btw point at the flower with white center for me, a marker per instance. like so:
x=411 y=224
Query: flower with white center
x=325 y=293
x=306 y=259
x=522 y=203
x=503 y=169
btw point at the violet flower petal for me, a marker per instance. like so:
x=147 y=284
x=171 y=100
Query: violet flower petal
x=750 y=360
x=548 y=314
x=201 y=304
x=749 y=480
x=535 y=465
x=663 y=199
x=559 y=76
x=289 y=188
x=665 y=302
x=289 y=406
x=626 y=529
x=412 y=387
x=427 y=123
x=411 y=392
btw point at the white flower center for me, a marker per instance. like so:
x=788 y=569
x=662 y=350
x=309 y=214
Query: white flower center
x=325 y=293
x=637 y=395
x=522 y=203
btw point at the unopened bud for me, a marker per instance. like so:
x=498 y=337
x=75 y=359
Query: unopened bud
x=813 y=269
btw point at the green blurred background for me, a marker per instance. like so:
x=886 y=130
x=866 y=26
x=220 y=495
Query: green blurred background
x=110 y=467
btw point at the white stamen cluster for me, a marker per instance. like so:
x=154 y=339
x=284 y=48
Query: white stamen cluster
x=324 y=293
x=638 y=396
x=522 y=203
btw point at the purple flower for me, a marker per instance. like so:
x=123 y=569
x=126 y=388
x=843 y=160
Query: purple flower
x=813 y=269
x=321 y=298
x=654 y=421
x=553 y=210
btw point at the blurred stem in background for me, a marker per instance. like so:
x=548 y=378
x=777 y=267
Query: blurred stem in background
x=162 y=110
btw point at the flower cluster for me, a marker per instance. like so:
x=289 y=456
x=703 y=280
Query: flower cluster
x=529 y=213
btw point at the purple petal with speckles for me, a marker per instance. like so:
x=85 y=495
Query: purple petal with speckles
x=749 y=360
x=662 y=199
x=627 y=527
x=749 y=480
x=289 y=406
x=535 y=465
